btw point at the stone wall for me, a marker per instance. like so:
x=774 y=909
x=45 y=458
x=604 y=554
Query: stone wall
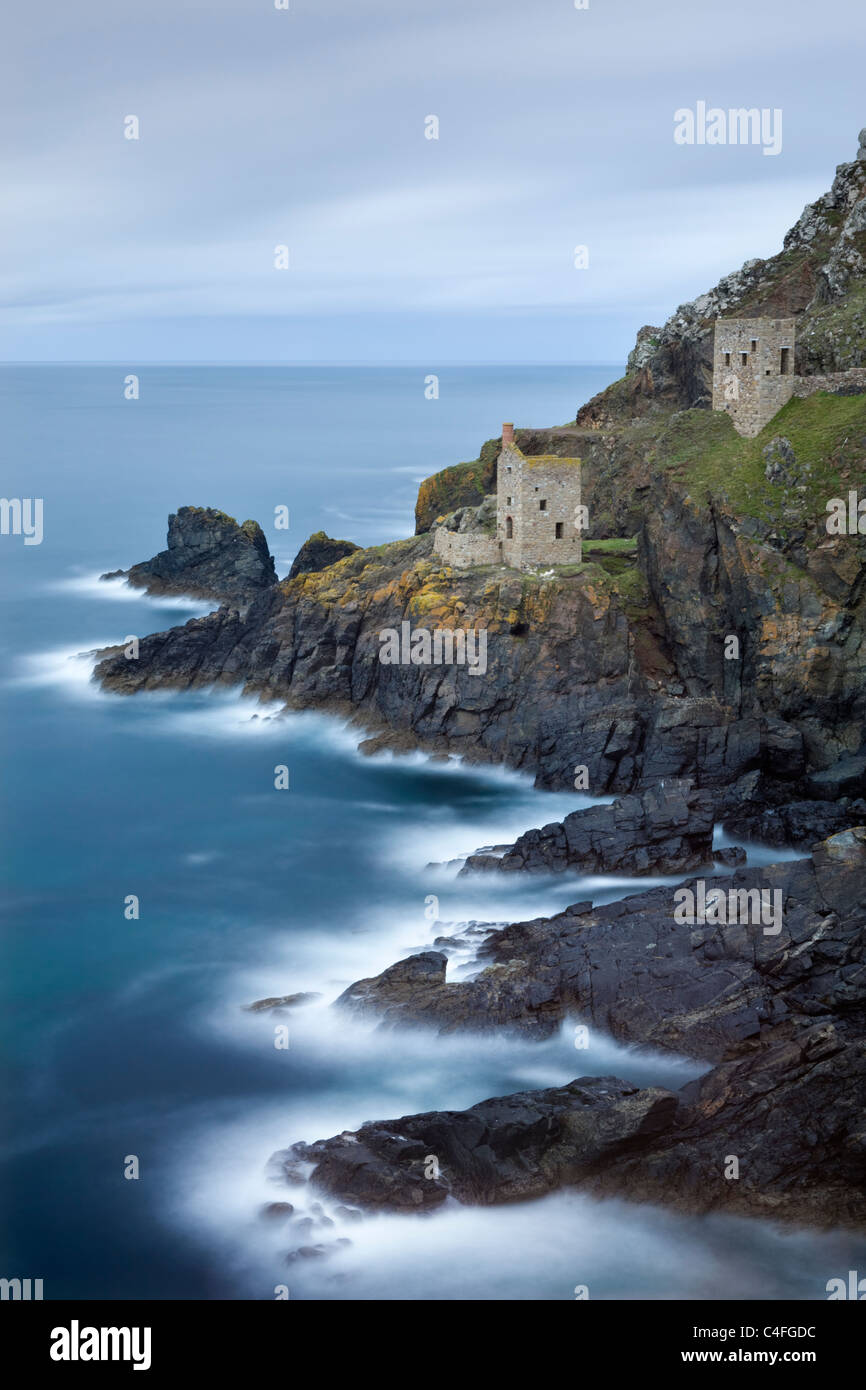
x=463 y=549
x=808 y=385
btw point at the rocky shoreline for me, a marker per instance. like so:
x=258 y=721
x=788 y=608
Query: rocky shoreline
x=705 y=663
x=775 y=1126
x=667 y=830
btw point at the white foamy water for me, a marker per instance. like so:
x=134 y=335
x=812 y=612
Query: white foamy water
x=91 y=585
x=523 y=1251
x=69 y=669
x=339 y=1071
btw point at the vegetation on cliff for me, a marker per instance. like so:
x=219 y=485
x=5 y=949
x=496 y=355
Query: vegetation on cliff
x=461 y=485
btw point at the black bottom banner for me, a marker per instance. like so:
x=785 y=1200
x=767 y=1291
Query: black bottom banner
x=160 y=1339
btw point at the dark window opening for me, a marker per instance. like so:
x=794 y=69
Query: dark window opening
x=785 y=362
x=509 y=528
x=542 y=505
x=744 y=357
x=727 y=359
x=754 y=345
x=559 y=530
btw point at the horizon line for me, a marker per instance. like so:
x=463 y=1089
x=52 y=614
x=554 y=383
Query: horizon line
x=276 y=362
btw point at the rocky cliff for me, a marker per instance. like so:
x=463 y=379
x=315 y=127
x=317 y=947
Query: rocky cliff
x=318 y=552
x=818 y=278
x=209 y=556
x=732 y=642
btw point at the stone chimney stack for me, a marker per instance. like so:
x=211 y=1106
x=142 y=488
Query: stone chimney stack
x=507 y=435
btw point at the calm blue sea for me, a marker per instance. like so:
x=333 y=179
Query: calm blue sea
x=129 y=1038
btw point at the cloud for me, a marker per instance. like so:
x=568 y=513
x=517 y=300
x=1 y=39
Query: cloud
x=306 y=128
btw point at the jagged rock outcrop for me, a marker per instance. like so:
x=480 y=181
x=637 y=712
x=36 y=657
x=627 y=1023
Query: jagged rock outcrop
x=318 y=552
x=573 y=675
x=630 y=967
x=461 y=485
x=782 y=1015
x=755 y=808
x=209 y=556
x=789 y=1116
x=796 y=611
x=624 y=673
x=666 y=830
x=509 y=1148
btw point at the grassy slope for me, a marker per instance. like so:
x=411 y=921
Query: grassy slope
x=827 y=433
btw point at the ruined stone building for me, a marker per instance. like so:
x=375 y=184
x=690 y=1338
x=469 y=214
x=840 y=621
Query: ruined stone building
x=537 y=514
x=753 y=370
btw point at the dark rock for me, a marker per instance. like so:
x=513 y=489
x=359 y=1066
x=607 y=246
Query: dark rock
x=318 y=552
x=781 y=1014
x=277 y=1211
x=515 y=1146
x=791 y=1113
x=780 y=465
x=348 y=1214
x=731 y=856
x=840 y=870
x=667 y=830
x=638 y=974
x=400 y=986
x=847 y=777
x=800 y=824
x=209 y=556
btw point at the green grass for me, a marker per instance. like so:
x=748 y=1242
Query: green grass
x=826 y=432
x=612 y=545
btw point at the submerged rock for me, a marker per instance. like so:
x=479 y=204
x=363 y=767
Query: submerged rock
x=281 y=1001
x=277 y=1211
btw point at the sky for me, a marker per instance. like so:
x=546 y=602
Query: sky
x=306 y=128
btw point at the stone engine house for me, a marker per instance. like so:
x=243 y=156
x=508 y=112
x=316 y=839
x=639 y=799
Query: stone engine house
x=753 y=370
x=537 y=514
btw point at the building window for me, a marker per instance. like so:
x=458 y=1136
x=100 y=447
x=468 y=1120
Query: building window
x=785 y=361
x=508 y=467
x=509 y=528
x=542 y=505
x=727 y=359
x=754 y=345
x=744 y=357
x=559 y=530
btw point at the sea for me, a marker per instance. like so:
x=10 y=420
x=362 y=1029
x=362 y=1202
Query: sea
x=141 y=1098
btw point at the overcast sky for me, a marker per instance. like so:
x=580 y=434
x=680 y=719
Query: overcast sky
x=306 y=128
